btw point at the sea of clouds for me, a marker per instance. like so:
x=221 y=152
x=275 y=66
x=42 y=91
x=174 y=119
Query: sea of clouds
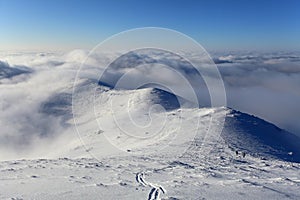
x=264 y=84
x=36 y=89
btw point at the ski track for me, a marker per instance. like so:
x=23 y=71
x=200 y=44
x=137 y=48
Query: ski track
x=114 y=178
x=155 y=191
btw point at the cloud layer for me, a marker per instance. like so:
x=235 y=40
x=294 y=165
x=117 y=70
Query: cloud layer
x=30 y=95
x=266 y=85
x=35 y=88
x=262 y=84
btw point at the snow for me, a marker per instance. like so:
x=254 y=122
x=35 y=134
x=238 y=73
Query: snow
x=150 y=170
x=150 y=144
x=215 y=177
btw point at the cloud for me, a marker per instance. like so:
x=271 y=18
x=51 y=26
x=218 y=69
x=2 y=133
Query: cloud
x=265 y=85
x=34 y=110
x=164 y=69
x=35 y=88
x=262 y=84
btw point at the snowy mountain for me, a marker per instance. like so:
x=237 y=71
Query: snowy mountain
x=258 y=137
x=150 y=144
x=239 y=131
x=242 y=132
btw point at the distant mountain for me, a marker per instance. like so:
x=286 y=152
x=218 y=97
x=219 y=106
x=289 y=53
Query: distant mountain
x=6 y=71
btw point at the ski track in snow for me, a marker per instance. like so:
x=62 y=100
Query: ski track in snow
x=155 y=191
x=221 y=175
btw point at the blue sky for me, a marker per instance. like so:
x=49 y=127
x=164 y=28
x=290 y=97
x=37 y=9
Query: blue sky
x=230 y=24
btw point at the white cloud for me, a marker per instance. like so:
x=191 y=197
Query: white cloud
x=22 y=119
x=263 y=85
x=266 y=85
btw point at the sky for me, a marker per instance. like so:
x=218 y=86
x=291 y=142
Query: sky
x=215 y=24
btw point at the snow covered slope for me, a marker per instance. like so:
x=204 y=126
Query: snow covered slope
x=129 y=119
x=143 y=144
x=257 y=137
